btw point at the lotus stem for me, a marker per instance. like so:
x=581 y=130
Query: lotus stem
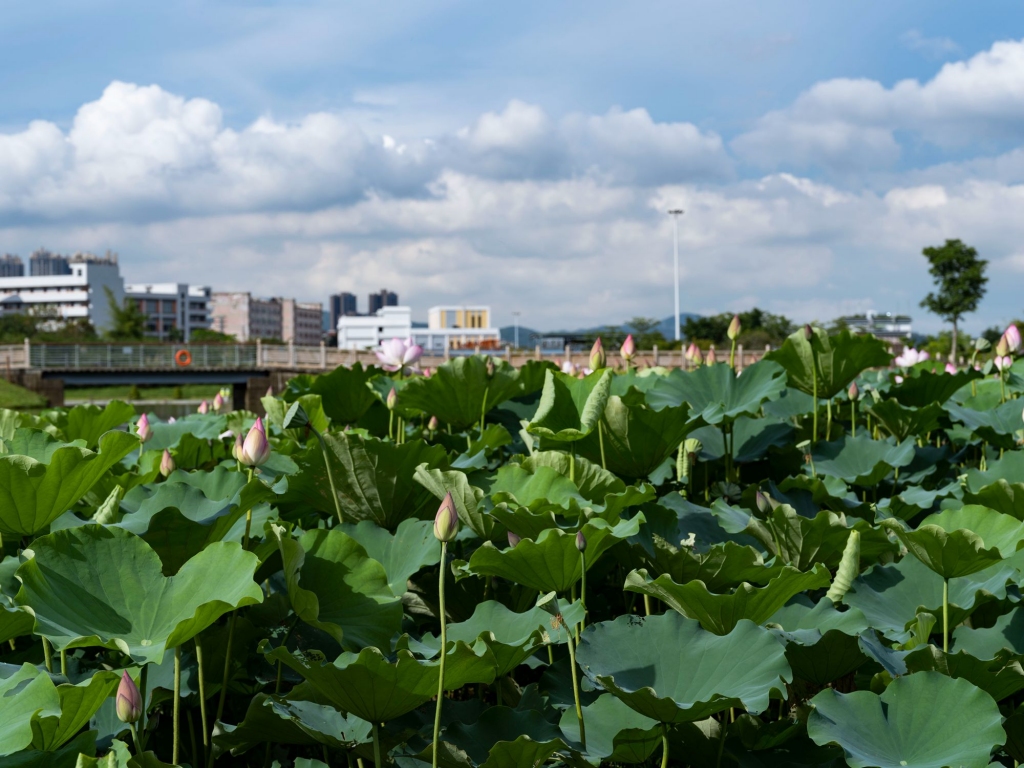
x=330 y=476
x=1002 y=388
x=176 y=738
x=227 y=674
x=63 y=662
x=853 y=418
x=135 y=740
x=828 y=422
x=572 y=462
x=583 y=591
x=945 y=615
x=376 y=747
x=248 y=519
x=647 y=604
x=143 y=681
x=664 y=746
x=444 y=654
x=814 y=395
x=202 y=697
x=721 y=742
x=192 y=737
x=576 y=687
x=391 y=425
x=600 y=441
x=47 y=655
x=483 y=410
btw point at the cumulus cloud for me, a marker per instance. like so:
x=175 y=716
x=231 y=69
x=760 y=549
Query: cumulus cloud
x=845 y=123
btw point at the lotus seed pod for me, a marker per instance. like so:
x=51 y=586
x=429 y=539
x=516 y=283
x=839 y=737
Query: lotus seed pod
x=167 y=464
x=598 y=360
x=218 y=402
x=204 y=407
x=581 y=541
x=734 y=328
x=763 y=505
x=392 y=399
x=432 y=424
x=446 y=521
x=142 y=428
x=853 y=391
x=628 y=350
x=255 y=448
x=129 y=700
x=514 y=539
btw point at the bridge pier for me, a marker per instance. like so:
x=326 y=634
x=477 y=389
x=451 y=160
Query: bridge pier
x=32 y=380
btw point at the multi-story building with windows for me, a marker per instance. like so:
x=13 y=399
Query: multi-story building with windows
x=245 y=317
x=380 y=300
x=11 y=266
x=43 y=263
x=465 y=327
x=301 y=322
x=173 y=310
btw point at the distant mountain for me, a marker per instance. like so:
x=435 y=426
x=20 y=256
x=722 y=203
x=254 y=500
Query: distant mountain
x=527 y=334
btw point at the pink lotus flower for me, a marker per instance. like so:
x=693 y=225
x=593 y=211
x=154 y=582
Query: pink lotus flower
x=218 y=402
x=898 y=379
x=256 y=448
x=950 y=368
x=142 y=428
x=129 y=701
x=711 y=359
x=167 y=464
x=1003 y=363
x=446 y=521
x=204 y=407
x=569 y=367
x=911 y=357
x=854 y=391
x=1012 y=336
x=734 y=328
x=628 y=350
x=597 y=356
x=399 y=355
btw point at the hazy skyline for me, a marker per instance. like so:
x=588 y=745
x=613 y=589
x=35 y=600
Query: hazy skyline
x=524 y=156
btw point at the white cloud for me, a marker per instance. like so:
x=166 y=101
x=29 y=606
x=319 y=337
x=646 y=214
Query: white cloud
x=845 y=124
x=932 y=47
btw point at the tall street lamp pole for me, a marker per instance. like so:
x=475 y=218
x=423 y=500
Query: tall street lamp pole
x=515 y=323
x=675 y=213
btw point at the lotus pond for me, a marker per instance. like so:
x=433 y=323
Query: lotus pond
x=627 y=567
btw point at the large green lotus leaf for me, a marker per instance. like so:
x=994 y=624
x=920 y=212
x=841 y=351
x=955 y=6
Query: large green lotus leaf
x=167 y=435
x=996 y=425
x=928 y=387
x=512 y=637
x=72 y=755
x=986 y=643
x=15 y=621
x=861 y=460
x=194 y=500
x=614 y=731
x=995 y=529
x=277 y=411
x=33 y=494
x=891 y=596
x=925 y=720
x=750 y=440
x=551 y=563
x=101 y=586
x=78 y=703
x=903 y=421
x=25 y=694
x=1009 y=468
x=371 y=687
x=717 y=393
x=835 y=360
x=467 y=497
x=570 y=408
x=591 y=481
x=343 y=391
x=90 y=422
x=637 y=438
x=519 y=485
x=1000 y=678
x=374 y=478
x=1001 y=496
x=507 y=738
x=674 y=519
x=335 y=586
x=721 y=613
x=460 y=392
x=36 y=444
x=413 y=546
x=670 y=669
x=722 y=566
x=949 y=553
x=821 y=642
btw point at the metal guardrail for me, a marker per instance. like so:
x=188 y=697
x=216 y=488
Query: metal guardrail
x=139 y=356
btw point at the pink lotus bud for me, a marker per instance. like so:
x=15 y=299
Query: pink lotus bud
x=129 y=700
x=392 y=399
x=446 y=521
x=167 y=464
x=734 y=328
x=426 y=373
x=256 y=448
x=581 y=541
x=950 y=368
x=142 y=428
x=1003 y=347
x=853 y=392
x=236 y=449
x=432 y=424
x=597 y=356
x=514 y=539
x=628 y=350
x=711 y=359
x=1003 y=363
x=270 y=391
x=1012 y=336
x=697 y=356
x=763 y=505
x=218 y=402
x=808 y=332
x=204 y=407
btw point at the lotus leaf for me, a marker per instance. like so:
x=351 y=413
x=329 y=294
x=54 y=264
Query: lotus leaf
x=90 y=422
x=614 y=731
x=861 y=460
x=461 y=392
x=1001 y=496
x=1000 y=425
x=412 y=547
x=167 y=434
x=628 y=658
x=570 y=408
x=507 y=738
x=78 y=703
x=343 y=392
x=1007 y=633
x=25 y=694
x=717 y=393
x=96 y=586
x=928 y=387
x=835 y=360
x=904 y=421
x=34 y=493
x=1000 y=678
x=925 y=720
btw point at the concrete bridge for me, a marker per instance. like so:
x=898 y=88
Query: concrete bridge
x=248 y=368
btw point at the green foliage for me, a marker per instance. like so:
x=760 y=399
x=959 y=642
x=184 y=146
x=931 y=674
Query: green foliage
x=759 y=328
x=959 y=277
x=128 y=322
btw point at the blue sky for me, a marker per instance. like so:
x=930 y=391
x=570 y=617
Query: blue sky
x=521 y=154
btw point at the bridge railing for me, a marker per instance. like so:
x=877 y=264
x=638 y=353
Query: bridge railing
x=155 y=356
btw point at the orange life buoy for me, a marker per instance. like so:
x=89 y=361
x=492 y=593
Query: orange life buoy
x=183 y=357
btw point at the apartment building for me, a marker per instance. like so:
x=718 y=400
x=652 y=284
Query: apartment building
x=384 y=298
x=244 y=316
x=11 y=266
x=301 y=322
x=173 y=310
